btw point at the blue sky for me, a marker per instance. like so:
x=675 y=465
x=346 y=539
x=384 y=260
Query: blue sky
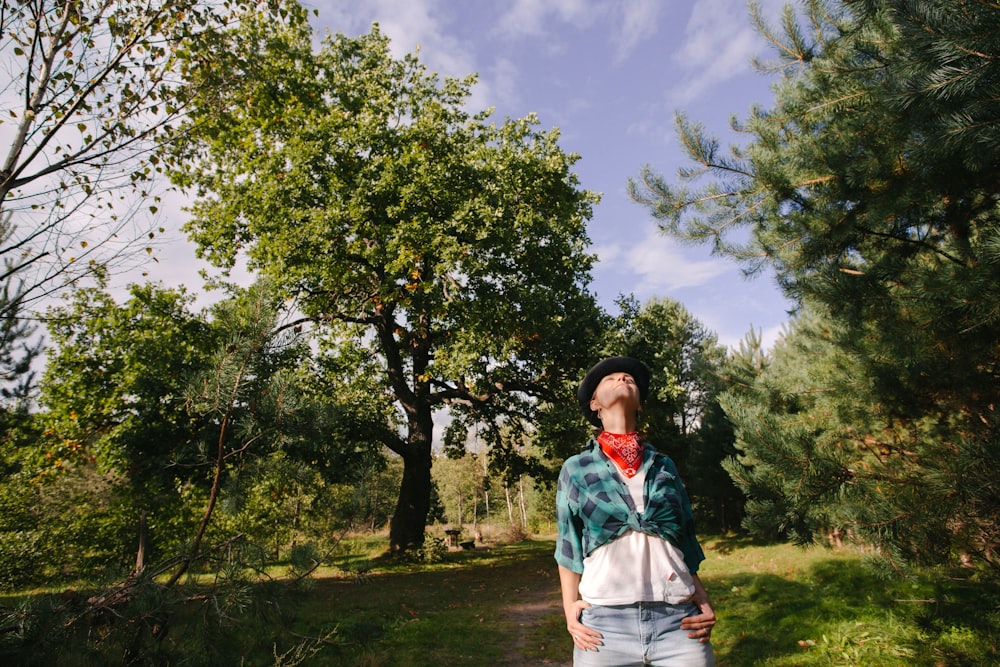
x=610 y=74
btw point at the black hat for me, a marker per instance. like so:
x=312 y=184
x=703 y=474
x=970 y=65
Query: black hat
x=633 y=367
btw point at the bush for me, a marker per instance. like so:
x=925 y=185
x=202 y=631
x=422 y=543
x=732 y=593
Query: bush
x=18 y=558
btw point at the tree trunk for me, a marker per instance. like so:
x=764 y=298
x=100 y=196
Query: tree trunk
x=140 y=554
x=520 y=502
x=489 y=526
x=406 y=530
x=510 y=505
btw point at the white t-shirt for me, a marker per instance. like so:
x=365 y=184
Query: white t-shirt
x=636 y=566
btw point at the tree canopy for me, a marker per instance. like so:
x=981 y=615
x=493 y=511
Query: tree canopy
x=450 y=248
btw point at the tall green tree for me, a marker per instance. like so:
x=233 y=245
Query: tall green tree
x=176 y=410
x=86 y=102
x=870 y=189
x=113 y=399
x=796 y=435
x=449 y=248
x=20 y=343
x=461 y=484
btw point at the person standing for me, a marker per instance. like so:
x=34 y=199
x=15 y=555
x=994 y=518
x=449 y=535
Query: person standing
x=627 y=552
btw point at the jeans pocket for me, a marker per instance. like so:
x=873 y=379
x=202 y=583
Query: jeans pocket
x=609 y=619
x=595 y=616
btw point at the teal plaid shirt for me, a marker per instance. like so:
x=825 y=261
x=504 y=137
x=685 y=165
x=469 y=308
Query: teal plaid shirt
x=594 y=507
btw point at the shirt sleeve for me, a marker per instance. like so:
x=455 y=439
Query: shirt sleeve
x=569 y=544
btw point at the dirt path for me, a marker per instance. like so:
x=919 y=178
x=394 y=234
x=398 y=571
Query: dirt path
x=537 y=606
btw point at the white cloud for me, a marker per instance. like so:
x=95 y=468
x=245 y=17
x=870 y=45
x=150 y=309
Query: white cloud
x=639 y=21
x=529 y=17
x=408 y=24
x=500 y=85
x=733 y=308
x=429 y=26
x=655 y=265
x=711 y=289
x=718 y=45
x=629 y=21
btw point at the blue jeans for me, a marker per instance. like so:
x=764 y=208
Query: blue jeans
x=643 y=634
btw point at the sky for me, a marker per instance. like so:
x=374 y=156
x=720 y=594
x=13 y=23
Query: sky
x=610 y=74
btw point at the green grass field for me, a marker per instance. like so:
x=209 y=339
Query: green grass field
x=777 y=604
x=499 y=606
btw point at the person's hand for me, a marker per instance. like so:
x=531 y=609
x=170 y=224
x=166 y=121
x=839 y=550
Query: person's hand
x=583 y=637
x=700 y=626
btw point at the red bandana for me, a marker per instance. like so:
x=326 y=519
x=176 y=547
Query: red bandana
x=624 y=449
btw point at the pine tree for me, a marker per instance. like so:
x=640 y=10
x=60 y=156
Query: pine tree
x=870 y=189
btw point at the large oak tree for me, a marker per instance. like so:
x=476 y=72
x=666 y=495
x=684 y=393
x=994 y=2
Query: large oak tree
x=450 y=248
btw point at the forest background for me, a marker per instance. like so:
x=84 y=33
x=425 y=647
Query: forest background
x=415 y=256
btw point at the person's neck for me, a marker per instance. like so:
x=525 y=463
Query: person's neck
x=616 y=421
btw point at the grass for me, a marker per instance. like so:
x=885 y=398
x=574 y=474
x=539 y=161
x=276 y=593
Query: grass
x=778 y=605
x=783 y=605
x=458 y=612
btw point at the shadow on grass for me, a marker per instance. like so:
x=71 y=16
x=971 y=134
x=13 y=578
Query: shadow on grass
x=729 y=543
x=836 y=612
x=452 y=613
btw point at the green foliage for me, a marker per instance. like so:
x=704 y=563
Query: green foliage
x=115 y=411
x=460 y=482
x=815 y=465
x=63 y=527
x=682 y=356
x=20 y=345
x=149 y=624
x=277 y=503
x=256 y=407
x=681 y=415
x=866 y=191
x=223 y=480
x=154 y=415
x=433 y=550
x=19 y=429
x=446 y=250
